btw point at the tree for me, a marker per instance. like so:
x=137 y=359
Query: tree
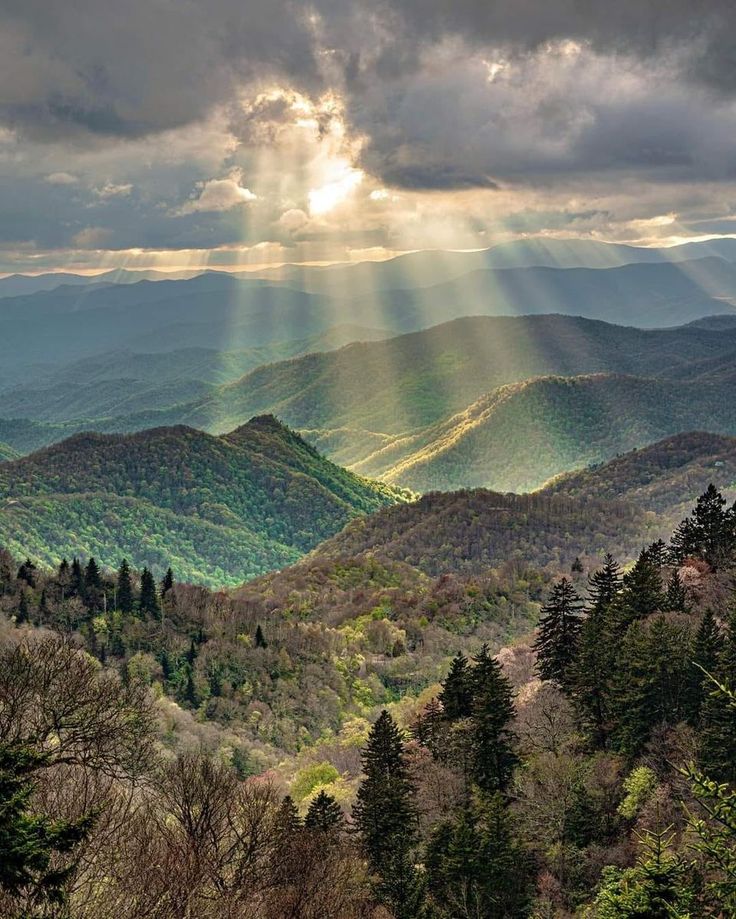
x=493 y=711
x=595 y=658
x=718 y=716
x=707 y=648
x=457 y=690
x=125 y=589
x=556 y=644
x=27 y=573
x=475 y=866
x=708 y=533
x=324 y=814
x=148 y=602
x=167 y=583
x=657 y=887
x=641 y=593
x=22 y=615
x=260 y=638
x=675 y=600
x=76 y=576
x=92 y=578
x=385 y=816
x=36 y=852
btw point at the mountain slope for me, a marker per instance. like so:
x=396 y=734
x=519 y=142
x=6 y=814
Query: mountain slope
x=517 y=437
x=7 y=453
x=471 y=530
x=664 y=477
x=262 y=487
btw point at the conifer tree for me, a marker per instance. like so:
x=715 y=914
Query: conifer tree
x=22 y=614
x=167 y=583
x=493 y=711
x=324 y=814
x=707 y=647
x=76 y=576
x=260 y=638
x=149 y=599
x=385 y=816
x=558 y=634
x=288 y=821
x=676 y=600
x=596 y=651
x=641 y=593
x=708 y=533
x=718 y=714
x=27 y=573
x=457 y=690
x=125 y=589
x=92 y=578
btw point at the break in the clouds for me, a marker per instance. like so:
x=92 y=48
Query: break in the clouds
x=226 y=132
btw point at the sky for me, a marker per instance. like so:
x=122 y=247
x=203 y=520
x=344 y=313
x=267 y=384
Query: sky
x=242 y=133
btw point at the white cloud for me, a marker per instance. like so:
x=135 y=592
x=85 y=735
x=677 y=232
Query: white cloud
x=111 y=190
x=61 y=178
x=219 y=195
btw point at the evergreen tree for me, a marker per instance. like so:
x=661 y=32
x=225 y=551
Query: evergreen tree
x=457 y=690
x=288 y=821
x=431 y=728
x=148 y=602
x=493 y=711
x=718 y=715
x=596 y=651
x=260 y=638
x=324 y=814
x=92 y=578
x=558 y=634
x=125 y=589
x=27 y=573
x=675 y=600
x=31 y=844
x=76 y=579
x=475 y=859
x=641 y=593
x=708 y=533
x=167 y=583
x=385 y=816
x=707 y=648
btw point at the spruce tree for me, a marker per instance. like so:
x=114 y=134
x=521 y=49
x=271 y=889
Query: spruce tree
x=493 y=711
x=596 y=650
x=260 y=638
x=76 y=576
x=556 y=644
x=324 y=814
x=125 y=589
x=148 y=602
x=708 y=533
x=167 y=583
x=92 y=578
x=22 y=614
x=457 y=690
x=27 y=573
x=385 y=816
x=641 y=594
x=676 y=600
x=707 y=647
x=718 y=714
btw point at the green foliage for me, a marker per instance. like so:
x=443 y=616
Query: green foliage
x=558 y=636
x=639 y=786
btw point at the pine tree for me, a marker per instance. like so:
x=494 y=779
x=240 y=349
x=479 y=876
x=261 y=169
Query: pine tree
x=557 y=639
x=718 y=714
x=260 y=638
x=457 y=690
x=76 y=576
x=641 y=594
x=125 y=589
x=707 y=647
x=676 y=600
x=148 y=602
x=92 y=578
x=596 y=651
x=324 y=814
x=36 y=852
x=708 y=533
x=385 y=816
x=167 y=583
x=493 y=711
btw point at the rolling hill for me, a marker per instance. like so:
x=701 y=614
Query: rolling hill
x=220 y=508
x=518 y=436
x=664 y=477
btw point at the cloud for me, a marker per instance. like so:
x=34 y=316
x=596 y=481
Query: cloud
x=61 y=178
x=219 y=195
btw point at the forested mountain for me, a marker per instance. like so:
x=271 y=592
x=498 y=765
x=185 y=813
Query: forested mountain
x=220 y=508
x=662 y=477
x=518 y=436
